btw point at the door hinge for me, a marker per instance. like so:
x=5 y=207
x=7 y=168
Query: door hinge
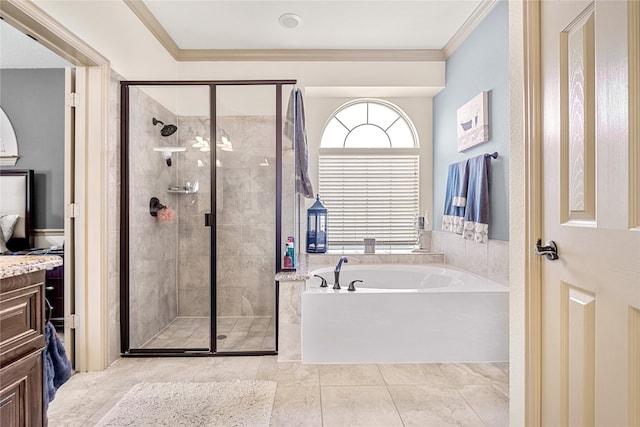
x=71 y=100
x=71 y=210
x=72 y=321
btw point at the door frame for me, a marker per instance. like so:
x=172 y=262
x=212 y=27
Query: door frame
x=525 y=213
x=91 y=178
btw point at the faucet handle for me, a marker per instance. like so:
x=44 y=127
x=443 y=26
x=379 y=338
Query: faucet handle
x=324 y=281
x=352 y=286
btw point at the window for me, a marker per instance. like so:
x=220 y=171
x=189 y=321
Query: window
x=369 y=176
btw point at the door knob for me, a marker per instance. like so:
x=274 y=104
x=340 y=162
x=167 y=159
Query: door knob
x=550 y=249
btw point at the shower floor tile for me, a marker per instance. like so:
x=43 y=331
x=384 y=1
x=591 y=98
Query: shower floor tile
x=241 y=333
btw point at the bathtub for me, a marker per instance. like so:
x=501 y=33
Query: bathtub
x=404 y=313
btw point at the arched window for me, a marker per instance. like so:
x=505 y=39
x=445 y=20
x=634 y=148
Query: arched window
x=369 y=176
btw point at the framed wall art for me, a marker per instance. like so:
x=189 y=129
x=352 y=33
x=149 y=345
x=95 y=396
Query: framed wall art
x=473 y=122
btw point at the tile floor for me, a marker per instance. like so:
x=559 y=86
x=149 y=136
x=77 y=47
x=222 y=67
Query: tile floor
x=312 y=395
x=240 y=334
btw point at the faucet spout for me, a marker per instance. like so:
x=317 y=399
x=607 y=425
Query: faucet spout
x=336 y=272
x=340 y=261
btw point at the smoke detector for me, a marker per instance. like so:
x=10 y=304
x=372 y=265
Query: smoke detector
x=289 y=20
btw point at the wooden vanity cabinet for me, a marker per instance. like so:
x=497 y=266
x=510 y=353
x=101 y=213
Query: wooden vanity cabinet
x=21 y=345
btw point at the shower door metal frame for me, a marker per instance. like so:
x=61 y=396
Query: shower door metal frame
x=125 y=347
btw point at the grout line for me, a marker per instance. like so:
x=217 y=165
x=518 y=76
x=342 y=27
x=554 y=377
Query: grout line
x=321 y=408
x=384 y=380
x=470 y=405
x=395 y=405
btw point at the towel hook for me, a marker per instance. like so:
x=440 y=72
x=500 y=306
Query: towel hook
x=494 y=155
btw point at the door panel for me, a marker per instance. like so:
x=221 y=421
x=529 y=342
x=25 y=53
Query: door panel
x=591 y=294
x=246 y=198
x=577 y=101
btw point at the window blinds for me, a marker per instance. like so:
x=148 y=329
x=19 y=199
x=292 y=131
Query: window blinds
x=370 y=196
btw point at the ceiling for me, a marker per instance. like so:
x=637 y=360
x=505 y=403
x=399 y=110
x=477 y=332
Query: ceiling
x=250 y=30
x=327 y=24
x=211 y=29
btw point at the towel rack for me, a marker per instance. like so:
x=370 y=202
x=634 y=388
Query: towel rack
x=494 y=155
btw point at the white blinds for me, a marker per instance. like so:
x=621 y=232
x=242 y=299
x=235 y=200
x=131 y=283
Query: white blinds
x=372 y=196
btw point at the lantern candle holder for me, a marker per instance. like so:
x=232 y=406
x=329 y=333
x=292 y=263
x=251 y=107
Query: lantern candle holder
x=317 y=228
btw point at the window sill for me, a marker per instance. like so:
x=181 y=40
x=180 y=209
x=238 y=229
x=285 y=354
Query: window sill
x=377 y=252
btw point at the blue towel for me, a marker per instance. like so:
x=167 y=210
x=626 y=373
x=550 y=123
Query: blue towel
x=455 y=198
x=476 y=214
x=295 y=128
x=56 y=365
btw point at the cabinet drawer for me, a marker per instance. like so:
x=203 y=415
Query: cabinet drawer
x=21 y=319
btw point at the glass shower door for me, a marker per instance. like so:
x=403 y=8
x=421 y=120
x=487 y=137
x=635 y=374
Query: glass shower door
x=167 y=180
x=203 y=166
x=246 y=201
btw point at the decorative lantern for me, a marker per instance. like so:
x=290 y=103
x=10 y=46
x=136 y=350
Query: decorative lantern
x=317 y=228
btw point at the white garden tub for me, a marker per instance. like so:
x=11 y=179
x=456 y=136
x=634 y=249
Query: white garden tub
x=404 y=313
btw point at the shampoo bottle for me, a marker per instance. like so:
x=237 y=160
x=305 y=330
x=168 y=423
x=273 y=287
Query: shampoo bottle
x=288 y=262
x=291 y=250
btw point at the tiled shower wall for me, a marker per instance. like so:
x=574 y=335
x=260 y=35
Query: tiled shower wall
x=194 y=238
x=245 y=247
x=246 y=219
x=152 y=245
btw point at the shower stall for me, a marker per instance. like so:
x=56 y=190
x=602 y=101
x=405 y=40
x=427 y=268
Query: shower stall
x=207 y=203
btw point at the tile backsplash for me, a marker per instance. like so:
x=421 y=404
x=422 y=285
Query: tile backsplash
x=490 y=260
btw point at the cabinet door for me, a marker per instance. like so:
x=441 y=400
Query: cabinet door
x=21 y=392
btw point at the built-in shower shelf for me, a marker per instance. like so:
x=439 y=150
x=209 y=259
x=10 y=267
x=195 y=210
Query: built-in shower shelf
x=180 y=191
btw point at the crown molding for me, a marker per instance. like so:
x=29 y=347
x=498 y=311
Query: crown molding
x=153 y=25
x=469 y=25
x=406 y=55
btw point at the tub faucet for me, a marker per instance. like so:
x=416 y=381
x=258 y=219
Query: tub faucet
x=336 y=272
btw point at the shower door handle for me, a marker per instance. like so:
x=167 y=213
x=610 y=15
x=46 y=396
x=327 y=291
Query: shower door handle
x=207 y=220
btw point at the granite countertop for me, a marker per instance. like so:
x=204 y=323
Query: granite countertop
x=292 y=276
x=301 y=273
x=15 y=265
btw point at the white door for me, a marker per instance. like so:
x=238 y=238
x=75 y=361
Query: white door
x=591 y=294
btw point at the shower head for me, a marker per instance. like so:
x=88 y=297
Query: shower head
x=166 y=129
